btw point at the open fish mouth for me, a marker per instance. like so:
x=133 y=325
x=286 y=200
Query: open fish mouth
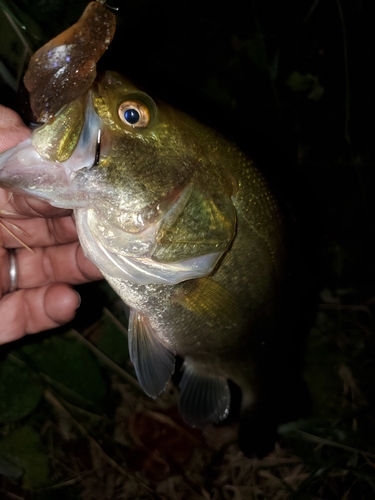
x=25 y=171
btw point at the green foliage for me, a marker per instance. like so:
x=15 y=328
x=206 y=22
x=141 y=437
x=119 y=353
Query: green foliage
x=9 y=469
x=70 y=364
x=323 y=361
x=20 y=36
x=23 y=448
x=20 y=390
x=306 y=83
x=112 y=342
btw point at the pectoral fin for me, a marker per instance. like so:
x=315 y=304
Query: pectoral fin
x=153 y=361
x=204 y=398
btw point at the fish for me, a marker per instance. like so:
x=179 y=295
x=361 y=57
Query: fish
x=182 y=224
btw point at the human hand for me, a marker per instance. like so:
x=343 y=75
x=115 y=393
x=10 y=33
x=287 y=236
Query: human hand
x=44 y=298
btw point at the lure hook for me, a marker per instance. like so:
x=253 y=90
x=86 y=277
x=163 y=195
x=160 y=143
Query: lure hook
x=109 y=7
x=97 y=150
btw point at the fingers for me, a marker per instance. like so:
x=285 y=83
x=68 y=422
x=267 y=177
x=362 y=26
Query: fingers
x=47 y=265
x=36 y=232
x=61 y=263
x=39 y=304
x=31 y=207
x=12 y=129
x=35 y=310
x=15 y=206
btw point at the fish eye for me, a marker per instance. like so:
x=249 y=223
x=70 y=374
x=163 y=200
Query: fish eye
x=134 y=113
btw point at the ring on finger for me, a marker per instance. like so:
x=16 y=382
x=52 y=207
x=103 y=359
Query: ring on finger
x=13 y=271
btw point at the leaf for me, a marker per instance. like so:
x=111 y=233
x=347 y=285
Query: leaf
x=307 y=82
x=323 y=361
x=20 y=390
x=9 y=469
x=68 y=363
x=24 y=450
x=113 y=342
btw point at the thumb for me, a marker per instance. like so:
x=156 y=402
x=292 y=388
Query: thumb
x=12 y=129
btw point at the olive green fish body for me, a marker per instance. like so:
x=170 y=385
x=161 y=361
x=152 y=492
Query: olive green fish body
x=181 y=223
x=217 y=322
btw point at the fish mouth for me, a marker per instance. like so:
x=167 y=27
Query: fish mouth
x=23 y=170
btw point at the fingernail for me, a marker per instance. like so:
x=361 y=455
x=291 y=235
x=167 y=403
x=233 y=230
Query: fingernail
x=79 y=299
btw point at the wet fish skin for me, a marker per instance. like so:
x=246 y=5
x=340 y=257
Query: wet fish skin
x=187 y=231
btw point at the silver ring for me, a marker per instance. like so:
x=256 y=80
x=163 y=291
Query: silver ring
x=13 y=272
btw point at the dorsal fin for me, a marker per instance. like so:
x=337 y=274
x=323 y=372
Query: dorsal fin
x=204 y=398
x=153 y=361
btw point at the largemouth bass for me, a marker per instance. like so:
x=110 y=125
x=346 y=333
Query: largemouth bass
x=182 y=225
